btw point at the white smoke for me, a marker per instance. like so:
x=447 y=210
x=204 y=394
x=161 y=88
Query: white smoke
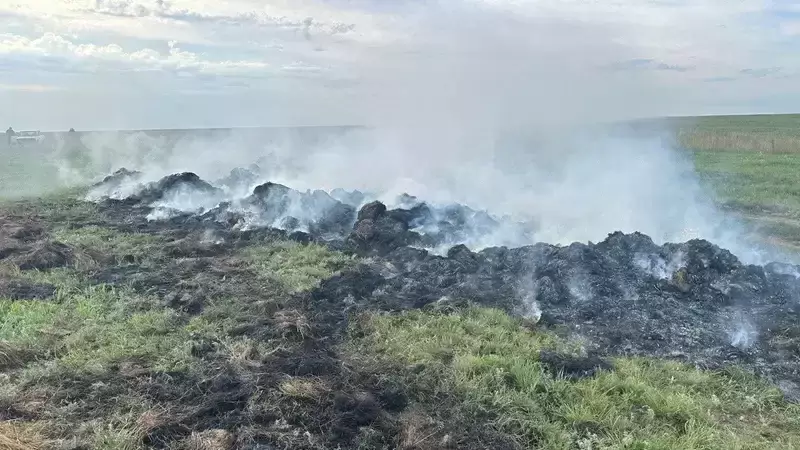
x=184 y=199
x=124 y=188
x=744 y=334
x=658 y=267
x=580 y=287
x=485 y=106
x=785 y=269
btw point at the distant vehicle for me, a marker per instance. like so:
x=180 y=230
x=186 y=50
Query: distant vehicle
x=27 y=137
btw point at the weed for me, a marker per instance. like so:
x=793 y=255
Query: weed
x=491 y=362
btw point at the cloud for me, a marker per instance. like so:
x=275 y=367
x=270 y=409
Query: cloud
x=649 y=64
x=28 y=87
x=790 y=28
x=673 y=67
x=341 y=49
x=51 y=45
x=719 y=79
x=762 y=72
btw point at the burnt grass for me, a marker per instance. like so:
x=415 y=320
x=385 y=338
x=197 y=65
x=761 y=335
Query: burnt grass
x=190 y=332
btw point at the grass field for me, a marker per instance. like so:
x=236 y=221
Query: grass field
x=760 y=133
x=111 y=366
x=752 y=179
x=751 y=164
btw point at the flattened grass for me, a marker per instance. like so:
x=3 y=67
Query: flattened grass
x=491 y=363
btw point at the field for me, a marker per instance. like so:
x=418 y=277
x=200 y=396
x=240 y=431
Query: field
x=155 y=338
x=762 y=133
x=751 y=163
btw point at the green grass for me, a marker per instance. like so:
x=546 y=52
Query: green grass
x=57 y=208
x=26 y=173
x=789 y=122
x=116 y=245
x=298 y=267
x=91 y=331
x=760 y=133
x=23 y=323
x=752 y=179
x=489 y=361
x=89 y=327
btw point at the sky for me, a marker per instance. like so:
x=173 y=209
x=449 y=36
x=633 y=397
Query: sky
x=128 y=64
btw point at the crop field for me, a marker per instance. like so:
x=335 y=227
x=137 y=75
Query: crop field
x=116 y=333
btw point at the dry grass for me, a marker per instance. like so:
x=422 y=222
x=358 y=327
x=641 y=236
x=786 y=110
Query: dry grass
x=419 y=431
x=209 y=440
x=734 y=140
x=304 y=388
x=10 y=356
x=15 y=436
x=759 y=133
x=293 y=323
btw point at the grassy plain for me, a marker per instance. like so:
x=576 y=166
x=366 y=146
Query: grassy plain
x=752 y=165
x=753 y=133
x=108 y=365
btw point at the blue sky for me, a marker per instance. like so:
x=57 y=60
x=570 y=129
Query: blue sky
x=103 y=64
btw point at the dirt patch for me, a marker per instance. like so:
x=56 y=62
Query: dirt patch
x=24 y=243
x=573 y=367
x=25 y=290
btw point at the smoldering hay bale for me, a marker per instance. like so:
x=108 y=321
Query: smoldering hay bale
x=624 y=295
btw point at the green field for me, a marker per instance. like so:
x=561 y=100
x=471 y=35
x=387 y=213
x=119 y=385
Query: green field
x=751 y=164
x=759 y=133
x=26 y=173
x=751 y=179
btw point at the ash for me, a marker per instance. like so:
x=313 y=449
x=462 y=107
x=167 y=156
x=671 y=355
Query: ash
x=626 y=295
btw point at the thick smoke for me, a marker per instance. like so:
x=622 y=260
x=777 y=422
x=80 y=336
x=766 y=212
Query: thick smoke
x=493 y=108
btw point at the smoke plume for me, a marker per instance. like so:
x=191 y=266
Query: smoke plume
x=492 y=107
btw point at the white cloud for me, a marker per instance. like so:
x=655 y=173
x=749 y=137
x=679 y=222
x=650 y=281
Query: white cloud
x=28 y=87
x=52 y=45
x=340 y=48
x=790 y=28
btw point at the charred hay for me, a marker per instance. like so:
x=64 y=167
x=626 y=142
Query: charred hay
x=626 y=295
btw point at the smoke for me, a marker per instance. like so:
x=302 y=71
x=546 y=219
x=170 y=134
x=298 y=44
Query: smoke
x=659 y=267
x=184 y=199
x=492 y=107
x=744 y=334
